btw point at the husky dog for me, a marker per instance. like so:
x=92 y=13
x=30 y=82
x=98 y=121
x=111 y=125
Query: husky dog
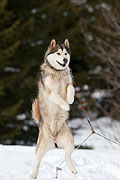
x=50 y=109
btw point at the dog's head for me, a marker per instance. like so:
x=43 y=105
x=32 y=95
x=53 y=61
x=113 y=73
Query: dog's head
x=58 y=55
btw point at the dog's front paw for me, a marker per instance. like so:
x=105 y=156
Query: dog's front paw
x=65 y=106
x=70 y=94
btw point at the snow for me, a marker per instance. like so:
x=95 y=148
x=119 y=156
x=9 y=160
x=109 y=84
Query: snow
x=104 y=126
x=21 y=116
x=17 y=163
x=12 y=69
x=98 y=94
x=100 y=163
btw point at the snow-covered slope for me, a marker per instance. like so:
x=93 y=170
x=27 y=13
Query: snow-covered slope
x=16 y=163
x=104 y=126
x=100 y=163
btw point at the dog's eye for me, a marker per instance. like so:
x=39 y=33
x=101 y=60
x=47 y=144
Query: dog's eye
x=65 y=53
x=58 y=53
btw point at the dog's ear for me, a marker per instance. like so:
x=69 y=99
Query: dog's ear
x=53 y=43
x=66 y=43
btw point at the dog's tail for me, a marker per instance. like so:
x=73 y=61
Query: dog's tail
x=35 y=111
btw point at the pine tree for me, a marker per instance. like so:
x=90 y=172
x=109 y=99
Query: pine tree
x=12 y=72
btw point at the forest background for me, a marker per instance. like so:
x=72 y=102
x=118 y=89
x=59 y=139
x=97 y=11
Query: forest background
x=26 y=29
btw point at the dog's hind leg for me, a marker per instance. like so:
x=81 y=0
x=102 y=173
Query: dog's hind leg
x=45 y=143
x=39 y=153
x=65 y=140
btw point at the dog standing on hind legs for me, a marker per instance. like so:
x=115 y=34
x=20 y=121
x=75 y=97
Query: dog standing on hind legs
x=50 y=109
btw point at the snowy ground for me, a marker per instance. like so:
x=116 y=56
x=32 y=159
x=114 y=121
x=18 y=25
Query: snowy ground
x=104 y=126
x=100 y=163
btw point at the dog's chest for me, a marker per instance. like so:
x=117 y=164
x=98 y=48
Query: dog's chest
x=62 y=86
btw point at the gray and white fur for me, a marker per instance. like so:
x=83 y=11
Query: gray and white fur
x=51 y=108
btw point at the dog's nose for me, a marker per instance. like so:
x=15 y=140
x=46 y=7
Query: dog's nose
x=65 y=60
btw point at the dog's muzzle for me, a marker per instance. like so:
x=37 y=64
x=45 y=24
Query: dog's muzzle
x=65 y=60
